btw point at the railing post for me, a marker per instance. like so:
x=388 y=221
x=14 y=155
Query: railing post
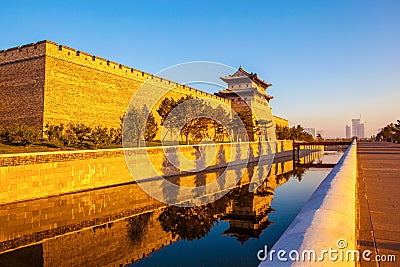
x=298 y=154
x=294 y=152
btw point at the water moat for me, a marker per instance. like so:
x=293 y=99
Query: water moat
x=122 y=225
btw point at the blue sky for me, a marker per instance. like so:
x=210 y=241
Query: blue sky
x=328 y=61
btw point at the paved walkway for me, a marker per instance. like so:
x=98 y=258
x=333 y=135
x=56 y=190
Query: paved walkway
x=379 y=200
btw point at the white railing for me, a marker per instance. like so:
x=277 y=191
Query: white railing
x=326 y=223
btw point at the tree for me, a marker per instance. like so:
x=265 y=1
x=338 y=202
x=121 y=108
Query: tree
x=116 y=135
x=80 y=131
x=390 y=132
x=222 y=118
x=197 y=128
x=69 y=138
x=54 y=132
x=283 y=133
x=135 y=124
x=100 y=136
x=25 y=134
x=29 y=135
x=298 y=133
x=294 y=133
x=194 y=113
x=166 y=107
x=8 y=134
x=200 y=118
x=151 y=128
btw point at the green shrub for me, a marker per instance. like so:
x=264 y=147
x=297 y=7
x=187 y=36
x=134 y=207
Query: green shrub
x=21 y=133
x=79 y=132
x=55 y=133
x=116 y=136
x=76 y=135
x=8 y=134
x=100 y=136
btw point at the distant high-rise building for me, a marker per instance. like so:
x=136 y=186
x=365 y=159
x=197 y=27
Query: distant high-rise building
x=312 y=131
x=354 y=126
x=357 y=128
x=348 y=132
x=360 y=131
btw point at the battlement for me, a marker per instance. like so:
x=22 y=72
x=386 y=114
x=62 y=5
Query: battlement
x=92 y=61
x=49 y=83
x=24 y=52
x=52 y=49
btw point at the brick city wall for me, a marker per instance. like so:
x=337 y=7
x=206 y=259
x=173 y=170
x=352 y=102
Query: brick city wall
x=50 y=83
x=281 y=121
x=22 y=78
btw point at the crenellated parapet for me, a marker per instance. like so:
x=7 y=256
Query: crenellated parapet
x=59 y=51
x=46 y=82
x=88 y=60
x=24 y=52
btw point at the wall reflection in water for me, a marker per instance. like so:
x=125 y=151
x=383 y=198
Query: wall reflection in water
x=121 y=225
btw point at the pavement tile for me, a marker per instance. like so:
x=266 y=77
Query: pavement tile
x=379 y=180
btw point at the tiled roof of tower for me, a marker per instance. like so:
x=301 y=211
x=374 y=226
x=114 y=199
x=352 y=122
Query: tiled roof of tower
x=255 y=78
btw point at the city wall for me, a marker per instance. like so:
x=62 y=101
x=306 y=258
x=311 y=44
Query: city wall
x=22 y=78
x=281 y=122
x=49 y=83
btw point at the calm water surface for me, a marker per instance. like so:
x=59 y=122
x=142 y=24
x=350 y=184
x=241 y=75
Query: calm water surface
x=225 y=245
x=122 y=226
